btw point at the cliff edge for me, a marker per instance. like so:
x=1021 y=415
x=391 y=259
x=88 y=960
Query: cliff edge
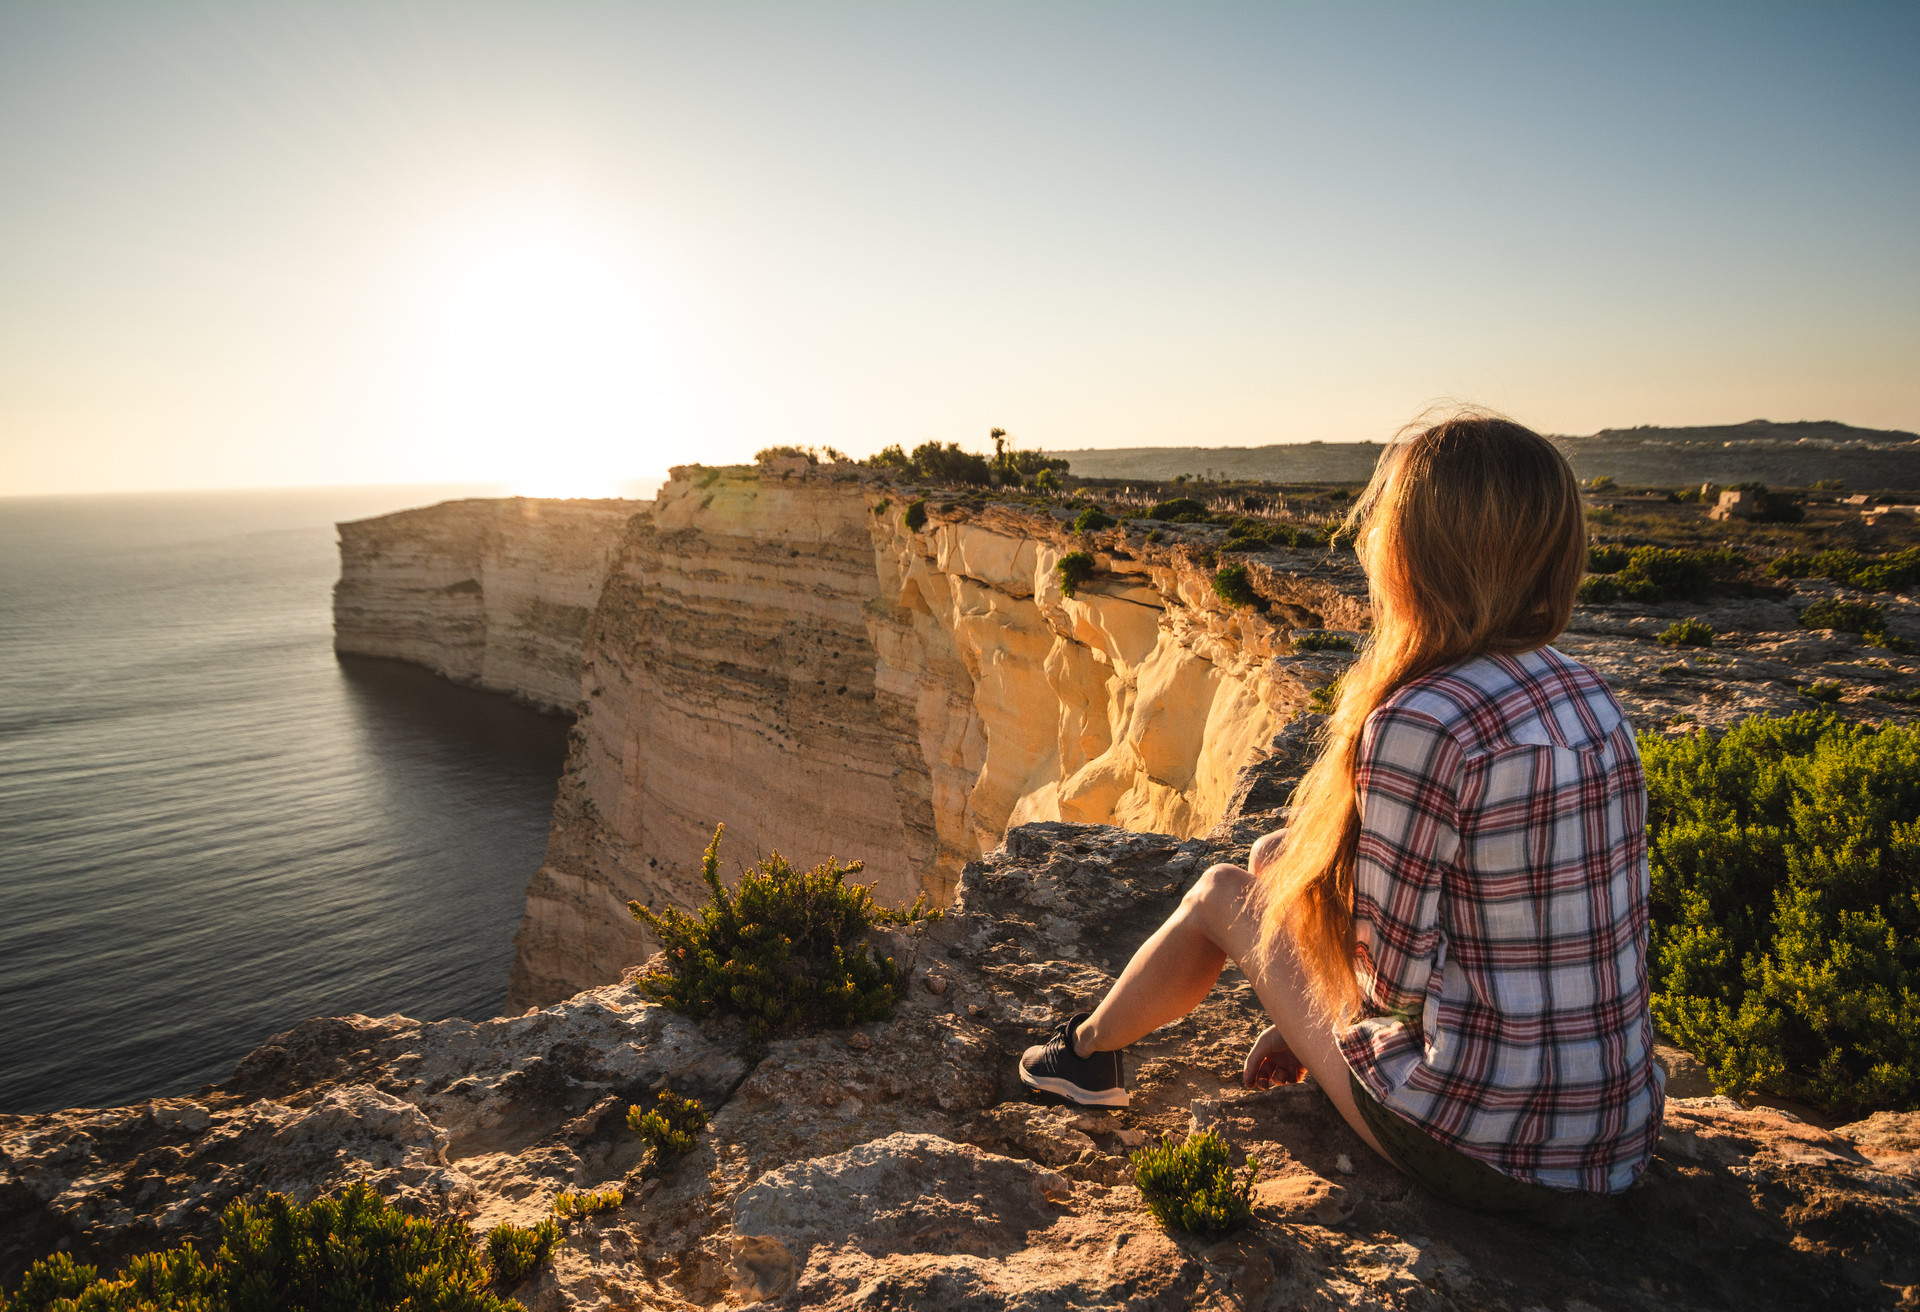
x=787 y=650
x=492 y=593
x=896 y=1165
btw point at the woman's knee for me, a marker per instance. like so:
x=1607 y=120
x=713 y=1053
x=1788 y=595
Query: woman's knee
x=1218 y=898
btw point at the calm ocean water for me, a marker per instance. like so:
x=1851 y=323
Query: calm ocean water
x=210 y=828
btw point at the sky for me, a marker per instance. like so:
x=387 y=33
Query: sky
x=561 y=246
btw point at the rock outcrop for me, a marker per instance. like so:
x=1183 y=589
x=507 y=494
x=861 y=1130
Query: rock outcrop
x=490 y=593
x=894 y=1165
x=775 y=648
x=778 y=650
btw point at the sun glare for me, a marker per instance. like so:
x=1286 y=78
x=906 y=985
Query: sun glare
x=543 y=370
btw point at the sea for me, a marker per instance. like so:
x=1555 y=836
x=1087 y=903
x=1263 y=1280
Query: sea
x=211 y=827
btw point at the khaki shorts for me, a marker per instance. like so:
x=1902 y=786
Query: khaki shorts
x=1462 y=1180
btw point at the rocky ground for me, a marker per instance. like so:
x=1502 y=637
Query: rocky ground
x=896 y=1165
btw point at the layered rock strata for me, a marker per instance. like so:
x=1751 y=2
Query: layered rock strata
x=492 y=593
x=895 y=1165
x=779 y=650
x=775 y=648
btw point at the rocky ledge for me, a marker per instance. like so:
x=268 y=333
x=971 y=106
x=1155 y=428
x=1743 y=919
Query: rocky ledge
x=896 y=1165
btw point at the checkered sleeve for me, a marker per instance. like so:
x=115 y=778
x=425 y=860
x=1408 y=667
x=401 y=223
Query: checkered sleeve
x=1408 y=772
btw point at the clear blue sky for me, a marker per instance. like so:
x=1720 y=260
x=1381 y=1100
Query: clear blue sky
x=563 y=244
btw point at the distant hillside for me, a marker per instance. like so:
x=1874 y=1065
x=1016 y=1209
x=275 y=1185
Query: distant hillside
x=1783 y=455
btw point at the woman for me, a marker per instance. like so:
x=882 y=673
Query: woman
x=1451 y=934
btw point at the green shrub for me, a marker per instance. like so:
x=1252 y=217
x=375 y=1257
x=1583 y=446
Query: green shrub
x=1092 y=519
x=1687 y=633
x=1322 y=642
x=352 y=1252
x=1847 y=567
x=1075 y=568
x=949 y=464
x=783 y=951
x=1847 y=616
x=1191 y=1187
x=1598 y=590
x=1655 y=574
x=571 y=1203
x=915 y=517
x=1886 y=642
x=1606 y=560
x=1231 y=585
x=1324 y=698
x=1898 y=696
x=1823 y=690
x=1259 y=535
x=1047 y=480
x=513 y=1251
x=880 y=507
x=1785 y=859
x=1154 y=535
x=1180 y=510
x=670 y=1126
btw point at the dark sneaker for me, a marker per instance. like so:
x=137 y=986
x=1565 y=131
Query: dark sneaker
x=1052 y=1067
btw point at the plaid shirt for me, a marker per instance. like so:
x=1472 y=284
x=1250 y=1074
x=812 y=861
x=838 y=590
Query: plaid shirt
x=1500 y=914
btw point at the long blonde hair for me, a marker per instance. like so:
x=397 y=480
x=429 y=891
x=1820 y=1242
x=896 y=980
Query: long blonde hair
x=1474 y=541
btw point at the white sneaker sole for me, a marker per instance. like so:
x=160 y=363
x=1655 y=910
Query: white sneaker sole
x=1074 y=1093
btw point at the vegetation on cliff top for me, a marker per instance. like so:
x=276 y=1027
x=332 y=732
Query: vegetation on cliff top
x=352 y=1252
x=669 y=1127
x=1655 y=574
x=1785 y=857
x=783 y=951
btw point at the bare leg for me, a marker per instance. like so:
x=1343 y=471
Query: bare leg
x=1171 y=973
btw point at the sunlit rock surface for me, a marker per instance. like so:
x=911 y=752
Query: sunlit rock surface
x=776 y=650
x=895 y=1165
x=493 y=593
x=772 y=648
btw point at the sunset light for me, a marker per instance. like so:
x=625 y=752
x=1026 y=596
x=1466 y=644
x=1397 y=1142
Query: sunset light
x=540 y=367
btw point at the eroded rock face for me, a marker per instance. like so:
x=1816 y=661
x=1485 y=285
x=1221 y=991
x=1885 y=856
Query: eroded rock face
x=896 y=1165
x=776 y=650
x=493 y=593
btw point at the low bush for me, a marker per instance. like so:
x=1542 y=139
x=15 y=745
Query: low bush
x=670 y=1126
x=1847 y=567
x=1232 y=586
x=513 y=1251
x=1686 y=633
x=1785 y=859
x=1846 y=616
x=1191 y=1187
x=1260 y=535
x=1656 y=574
x=1180 y=510
x=1322 y=642
x=1075 y=568
x=915 y=517
x=783 y=951
x=1886 y=642
x=1324 y=698
x=1606 y=560
x=570 y=1204
x=1824 y=691
x=351 y=1252
x=1092 y=519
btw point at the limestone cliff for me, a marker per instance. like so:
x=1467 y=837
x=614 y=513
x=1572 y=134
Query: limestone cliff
x=778 y=650
x=494 y=593
x=896 y=1164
